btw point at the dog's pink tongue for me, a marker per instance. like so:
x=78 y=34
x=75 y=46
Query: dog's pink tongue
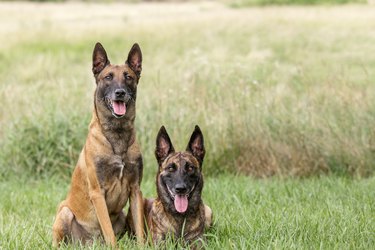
x=180 y=203
x=119 y=107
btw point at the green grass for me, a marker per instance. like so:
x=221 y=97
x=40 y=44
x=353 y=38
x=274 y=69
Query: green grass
x=317 y=213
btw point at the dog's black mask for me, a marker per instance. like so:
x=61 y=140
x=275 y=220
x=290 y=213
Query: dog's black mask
x=180 y=179
x=117 y=84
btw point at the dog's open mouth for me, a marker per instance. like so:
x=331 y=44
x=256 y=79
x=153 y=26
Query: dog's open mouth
x=181 y=201
x=117 y=107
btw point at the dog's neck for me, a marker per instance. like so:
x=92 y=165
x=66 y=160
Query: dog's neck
x=119 y=132
x=182 y=225
x=192 y=212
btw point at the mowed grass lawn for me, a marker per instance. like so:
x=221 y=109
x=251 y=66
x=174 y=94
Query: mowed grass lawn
x=286 y=94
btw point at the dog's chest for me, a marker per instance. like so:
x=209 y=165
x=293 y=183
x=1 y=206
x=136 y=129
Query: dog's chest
x=163 y=229
x=117 y=194
x=190 y=228
x=116 y=176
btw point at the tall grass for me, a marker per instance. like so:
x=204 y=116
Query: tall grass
x=276 y=91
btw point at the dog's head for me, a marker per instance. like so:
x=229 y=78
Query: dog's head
x=116 y=90
x=179 y=179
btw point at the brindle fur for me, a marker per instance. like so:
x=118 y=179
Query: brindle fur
x=109 y=168
x=162 y=219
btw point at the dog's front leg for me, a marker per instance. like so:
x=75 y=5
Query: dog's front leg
x=101 y=211
x=98 y=201
x=136 y=207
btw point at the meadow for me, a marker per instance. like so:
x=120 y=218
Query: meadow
x=285 y=97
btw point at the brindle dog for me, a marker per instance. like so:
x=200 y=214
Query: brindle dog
x=109 y=168
x=178 y=209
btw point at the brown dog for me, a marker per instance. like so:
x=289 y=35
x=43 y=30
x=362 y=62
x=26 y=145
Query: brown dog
x=109 y=168
x=178 y=210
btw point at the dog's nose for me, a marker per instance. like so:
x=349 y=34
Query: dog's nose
x=120 y=93
x=180 y=188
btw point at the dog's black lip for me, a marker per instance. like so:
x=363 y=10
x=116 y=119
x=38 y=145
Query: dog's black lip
x=170 y=192
x=118 y=100
x=110 y=101
x=173 y=194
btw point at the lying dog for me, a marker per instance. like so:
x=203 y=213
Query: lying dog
x=109 y=168
x=178 y=209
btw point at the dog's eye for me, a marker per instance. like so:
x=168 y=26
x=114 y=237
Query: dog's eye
x=189 y=168
x=171 y=168
x=109 y=77
x=128 y=77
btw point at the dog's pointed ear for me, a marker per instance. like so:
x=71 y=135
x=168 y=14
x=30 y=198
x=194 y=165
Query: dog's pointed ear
x=164 y=145
x=135 y=59
x=99 y=59
x=196 y=145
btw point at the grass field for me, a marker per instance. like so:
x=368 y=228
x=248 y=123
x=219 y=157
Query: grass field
x=278 y=91
x=318 y=213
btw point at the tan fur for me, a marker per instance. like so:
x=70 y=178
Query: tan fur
x=107 y=175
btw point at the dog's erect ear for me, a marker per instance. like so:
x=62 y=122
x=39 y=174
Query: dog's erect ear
x=99 y=59
x=135 y=59
x=164 y=145
x=196 y=145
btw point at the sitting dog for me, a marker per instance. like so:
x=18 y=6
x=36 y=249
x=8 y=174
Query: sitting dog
x=109 y=168
x=178 y=210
